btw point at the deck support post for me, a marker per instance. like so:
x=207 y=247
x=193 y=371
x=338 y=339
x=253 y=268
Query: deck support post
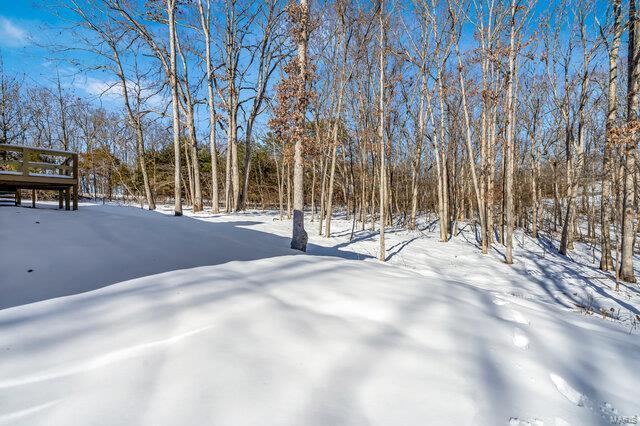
x=18 y=197
x=75 y=197
x=74 y=158
x=60 y=198
x=67 y=199
x=33 y=198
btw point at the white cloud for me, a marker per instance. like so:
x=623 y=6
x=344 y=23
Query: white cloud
x=108 y=89
x=111 y=90
x=11 y=34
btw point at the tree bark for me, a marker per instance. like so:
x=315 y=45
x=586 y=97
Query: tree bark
x=205 y=21
x=606 y=261
x=509 y=170
x=383 y=179
x=175 y=103
x=628 y=227
x=299 y=235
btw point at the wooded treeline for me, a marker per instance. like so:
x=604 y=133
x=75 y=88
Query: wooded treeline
x=498 y=114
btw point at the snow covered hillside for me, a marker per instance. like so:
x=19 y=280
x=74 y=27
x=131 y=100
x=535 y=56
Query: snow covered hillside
x=113 y=315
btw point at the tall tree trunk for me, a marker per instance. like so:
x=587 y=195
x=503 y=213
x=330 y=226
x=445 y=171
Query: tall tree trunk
x=280 y=177
x=323 y=185
x=205 y=21
x=175 y=106
x=235 y=171
x=443 y=182
x=63 y=116
x=491 y=173
x=510 y=138
x=535 y=192
x=575 y=169
x=628 y=228
x=416 y=163
x=187 y=159
x=232 y=105
x=470 y=153
x=313 y=190
x=332 y=172
x=363 y=187
x=192 y=152
x=215 y=195
x=136 y=121
x=336 y=125
x=288 y=191
x=299 y=235
x=383 y=179
x=143 y=167
x=227 y=173
x=244 y=194
x=606 y=261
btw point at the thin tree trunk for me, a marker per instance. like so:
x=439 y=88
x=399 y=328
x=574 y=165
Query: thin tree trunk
x=136 y=121
x=187 y=158
x=416 y=163
x=227 y=187
x=606 y=261
x=383 y=180
x=313 y=190
x=205 y=21
x=194 y=168
x=510 y=138
x=171 y=8
x=628 y=227
x=470 y=153
x=321 y=214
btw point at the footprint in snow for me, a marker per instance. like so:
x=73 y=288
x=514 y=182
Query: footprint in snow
x=520 y=339
x=567 y=391
x=516 y=316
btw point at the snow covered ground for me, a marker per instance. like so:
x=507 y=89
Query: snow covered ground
x=113 y=315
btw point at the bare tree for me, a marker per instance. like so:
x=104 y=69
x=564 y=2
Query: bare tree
x=116 y=39
x=187 y=105
x=270 y=56
x=575 y=166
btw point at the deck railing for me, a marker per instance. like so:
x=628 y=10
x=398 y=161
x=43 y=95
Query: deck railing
x=26 y=167
x=30 y=162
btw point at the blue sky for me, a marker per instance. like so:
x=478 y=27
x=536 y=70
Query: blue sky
x=27 y=27
x=23 y=25
x=20 y=25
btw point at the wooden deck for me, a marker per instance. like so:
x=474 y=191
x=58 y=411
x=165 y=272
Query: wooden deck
x=25 y=167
